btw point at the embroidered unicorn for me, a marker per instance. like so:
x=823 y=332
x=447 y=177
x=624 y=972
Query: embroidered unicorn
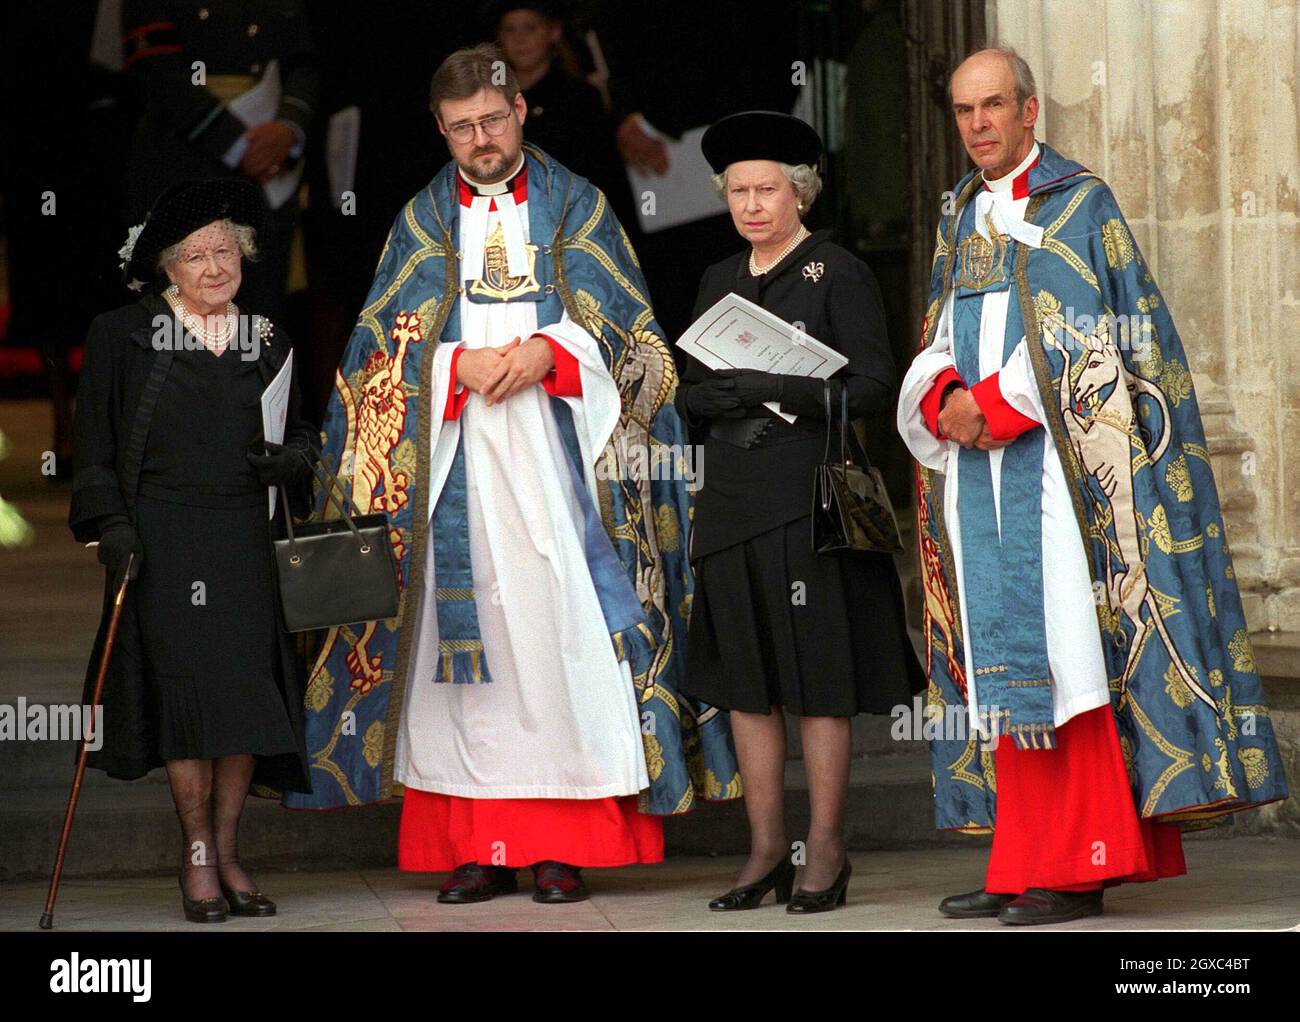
x=1103 y=445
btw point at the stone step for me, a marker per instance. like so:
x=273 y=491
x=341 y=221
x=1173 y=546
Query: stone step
x=127 y=829
x=131 y=828
x=28 y=765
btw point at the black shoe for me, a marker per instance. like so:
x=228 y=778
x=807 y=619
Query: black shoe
x=1039 y=905
x=470 y=882
x=203 y=910
x=781 y=878
x=558 y=883
x=248 y=903
x=976 y=905
x=823 y=901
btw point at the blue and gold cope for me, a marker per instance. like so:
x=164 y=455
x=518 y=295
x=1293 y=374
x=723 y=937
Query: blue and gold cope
x=1196 y=736
x=378 y=434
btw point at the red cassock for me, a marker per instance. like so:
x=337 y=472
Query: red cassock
x=440 y=832
x=1065 y=818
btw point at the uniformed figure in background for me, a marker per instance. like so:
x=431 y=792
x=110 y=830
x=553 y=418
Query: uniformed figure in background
x=197 y=65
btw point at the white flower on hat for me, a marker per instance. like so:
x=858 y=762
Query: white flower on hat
x=125 y=253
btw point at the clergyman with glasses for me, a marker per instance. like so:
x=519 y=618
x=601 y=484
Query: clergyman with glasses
x=526 y=694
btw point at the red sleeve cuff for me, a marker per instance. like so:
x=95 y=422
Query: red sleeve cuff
x=932 y=403
x=1004 y=422
x=455 y=402
x=565 y=380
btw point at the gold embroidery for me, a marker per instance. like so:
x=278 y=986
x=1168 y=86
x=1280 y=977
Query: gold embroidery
x=1177 y=689
x=372 y=746
x=981 y=259
x=1117 y=243
x=1255 y=764
x=1243 y=657
x=496 y=281
x=1179 y=479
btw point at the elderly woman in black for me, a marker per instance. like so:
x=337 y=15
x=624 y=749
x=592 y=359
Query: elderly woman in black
x=171 y=476
x=773 y=624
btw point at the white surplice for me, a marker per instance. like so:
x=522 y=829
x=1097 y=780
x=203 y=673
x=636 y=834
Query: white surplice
x=559 y=718
x=1074 y=655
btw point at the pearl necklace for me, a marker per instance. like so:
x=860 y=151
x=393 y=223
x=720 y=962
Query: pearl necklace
x=794 y=242
x=215 y=340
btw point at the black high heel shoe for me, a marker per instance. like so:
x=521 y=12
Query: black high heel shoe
x=823 y=901
x=781 y=878
x=202 y=910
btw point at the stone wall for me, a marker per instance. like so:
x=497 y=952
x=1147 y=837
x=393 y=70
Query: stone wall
x=1189 y=110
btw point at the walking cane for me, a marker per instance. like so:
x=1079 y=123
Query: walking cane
x=47 y=917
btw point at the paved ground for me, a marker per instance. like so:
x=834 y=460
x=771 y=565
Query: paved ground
x=1248 y=883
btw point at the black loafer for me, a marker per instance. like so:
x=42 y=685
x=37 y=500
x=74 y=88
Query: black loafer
x=1039 y=905
x=248 y=903
x=203 y=910
x=558 y=883
x=975 y=905
x=470 y=882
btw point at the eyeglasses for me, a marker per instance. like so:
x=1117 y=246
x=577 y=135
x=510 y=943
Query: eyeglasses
x=224 y=255
x=495 y=126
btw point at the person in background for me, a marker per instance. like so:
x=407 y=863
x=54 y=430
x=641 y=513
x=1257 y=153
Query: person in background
x=566 y=116
x=194 y=62
x=688 y=65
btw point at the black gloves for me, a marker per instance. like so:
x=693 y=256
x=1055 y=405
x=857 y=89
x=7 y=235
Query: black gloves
x=752 y=386
x=714 y=399
x=730 y=393
x=280 y=465
x=118 y=540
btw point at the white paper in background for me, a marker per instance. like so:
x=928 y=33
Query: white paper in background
x=275 y=412
x=685 y=193
x=342 y=137
x=257 y=106
x=806 y=102
x=734 y=333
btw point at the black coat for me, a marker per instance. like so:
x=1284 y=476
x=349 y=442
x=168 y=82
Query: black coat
x=747 y=491
x=119 y=373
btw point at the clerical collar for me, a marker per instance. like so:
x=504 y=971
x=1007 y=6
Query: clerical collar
x=1017 y=182
x=516 y=184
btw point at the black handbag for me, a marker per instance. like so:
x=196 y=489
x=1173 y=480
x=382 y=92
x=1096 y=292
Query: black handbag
x=851 y=510
x=335 y=572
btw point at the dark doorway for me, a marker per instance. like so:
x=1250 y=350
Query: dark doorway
x=879 y=70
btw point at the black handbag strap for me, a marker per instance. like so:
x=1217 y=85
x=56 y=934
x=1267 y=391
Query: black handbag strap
x=133 y=456
x=845 y=446
x=329 y=482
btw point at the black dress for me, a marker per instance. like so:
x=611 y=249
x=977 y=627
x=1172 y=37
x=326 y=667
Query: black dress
x=205 y=592
x=201 y=666
x=773 y=623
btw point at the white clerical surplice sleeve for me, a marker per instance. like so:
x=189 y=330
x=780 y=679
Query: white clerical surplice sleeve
x=926 y=448
x=596 y=410
x=1019 y=386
